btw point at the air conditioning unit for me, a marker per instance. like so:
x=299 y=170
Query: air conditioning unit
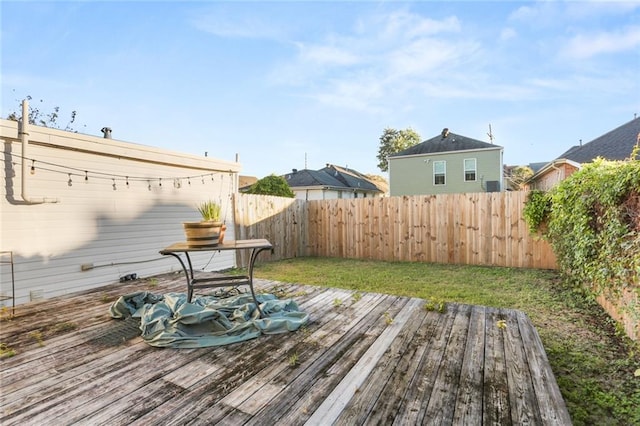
x=493 y=186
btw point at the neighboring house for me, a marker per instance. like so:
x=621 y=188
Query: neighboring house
x=331 y=182
x=614 y=145
x=447 y=163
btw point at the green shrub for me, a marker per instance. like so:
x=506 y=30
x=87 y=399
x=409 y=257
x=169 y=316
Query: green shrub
x=593 y=224
x=536 y=210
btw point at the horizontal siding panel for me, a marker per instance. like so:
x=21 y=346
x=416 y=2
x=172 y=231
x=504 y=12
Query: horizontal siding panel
x=92 y=222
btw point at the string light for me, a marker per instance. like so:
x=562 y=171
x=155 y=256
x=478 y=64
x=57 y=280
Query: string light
x=129 y=180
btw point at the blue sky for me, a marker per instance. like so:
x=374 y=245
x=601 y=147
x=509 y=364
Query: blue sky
x=293 y=84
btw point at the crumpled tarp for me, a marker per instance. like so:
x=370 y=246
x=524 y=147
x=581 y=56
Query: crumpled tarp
x=167 y=320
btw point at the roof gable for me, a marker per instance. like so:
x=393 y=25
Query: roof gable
x=614 y=145
x=445 y=142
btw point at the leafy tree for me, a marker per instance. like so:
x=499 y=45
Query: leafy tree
x=40 y=118
x=272 y=185
x=520 y=174
x=393 y=141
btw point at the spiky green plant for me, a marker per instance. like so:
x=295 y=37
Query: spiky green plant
x=210 y=211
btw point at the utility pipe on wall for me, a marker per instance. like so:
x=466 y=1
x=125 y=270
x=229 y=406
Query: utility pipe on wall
x=24 y=136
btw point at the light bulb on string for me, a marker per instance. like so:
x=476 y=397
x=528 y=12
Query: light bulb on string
x=86 y=176
x=33 y=167
x=212 y=180
x=149 y=187
x=160 y=184
x=127 y=181
x=70 y=182
x=189 y=181
x=114 y=184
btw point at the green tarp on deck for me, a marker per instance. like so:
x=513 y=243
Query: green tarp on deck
x=167 y=320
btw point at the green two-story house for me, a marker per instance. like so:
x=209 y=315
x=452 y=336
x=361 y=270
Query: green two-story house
x=446 y=164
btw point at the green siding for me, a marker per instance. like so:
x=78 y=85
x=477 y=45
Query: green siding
x=413 y=175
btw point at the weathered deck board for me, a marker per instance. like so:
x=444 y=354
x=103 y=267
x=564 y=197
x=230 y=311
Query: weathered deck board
x=371 y=359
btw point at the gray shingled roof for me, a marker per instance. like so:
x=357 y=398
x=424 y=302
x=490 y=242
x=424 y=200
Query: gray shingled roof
x=308 y=177
x=441 y=143
x=614 y=145
x=331 y=176
x=350 y=178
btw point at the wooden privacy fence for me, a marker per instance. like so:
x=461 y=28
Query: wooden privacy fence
x=283 y=221
x=474 y=228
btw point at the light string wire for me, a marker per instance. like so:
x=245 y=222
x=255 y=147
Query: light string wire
x=85 y=174
x=224 y=216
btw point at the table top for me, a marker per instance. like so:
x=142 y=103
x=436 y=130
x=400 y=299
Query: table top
x=226 y=245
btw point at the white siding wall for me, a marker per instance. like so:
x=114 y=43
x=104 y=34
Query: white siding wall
x=118 y=231
x=330 y=194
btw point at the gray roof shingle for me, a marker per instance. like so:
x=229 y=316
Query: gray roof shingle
x=330 y=176
x=614 y=145
x=308 y=177
x=445 y=142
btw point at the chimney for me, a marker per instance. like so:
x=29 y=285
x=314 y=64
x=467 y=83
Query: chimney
x=107 y=132
x=294 y=170
x=445 y=132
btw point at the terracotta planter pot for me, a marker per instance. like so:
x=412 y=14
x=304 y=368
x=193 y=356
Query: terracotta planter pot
x=202 y=234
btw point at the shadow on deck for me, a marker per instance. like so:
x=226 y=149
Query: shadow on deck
x=369 y=359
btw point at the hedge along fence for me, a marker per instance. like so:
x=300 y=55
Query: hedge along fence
x=592 y=220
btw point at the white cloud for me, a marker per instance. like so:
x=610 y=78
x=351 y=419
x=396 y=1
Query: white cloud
x=327 y=55
x=222 y=25
x=352 y=94
x=382 y=58
x=538 y=14
x=404 y=25
x=428 y=55
x=600 y=8
x=584 y=46
x=508 y=34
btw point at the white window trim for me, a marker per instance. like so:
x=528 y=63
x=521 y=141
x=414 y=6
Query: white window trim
x=475 y=169
x=444 y=163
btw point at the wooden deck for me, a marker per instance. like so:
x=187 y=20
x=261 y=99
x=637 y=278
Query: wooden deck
x=375 y=359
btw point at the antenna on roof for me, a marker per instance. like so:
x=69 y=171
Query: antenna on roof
x=305 y=161
x=490 y=134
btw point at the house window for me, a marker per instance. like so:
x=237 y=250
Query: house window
x=439 y=172
x=470 y=169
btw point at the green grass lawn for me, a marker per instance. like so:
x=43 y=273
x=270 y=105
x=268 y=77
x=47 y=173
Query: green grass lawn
x=594 y=364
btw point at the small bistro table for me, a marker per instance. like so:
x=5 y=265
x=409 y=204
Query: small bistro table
x=256 y=246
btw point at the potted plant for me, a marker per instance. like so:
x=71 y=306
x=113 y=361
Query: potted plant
x=205 y=233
